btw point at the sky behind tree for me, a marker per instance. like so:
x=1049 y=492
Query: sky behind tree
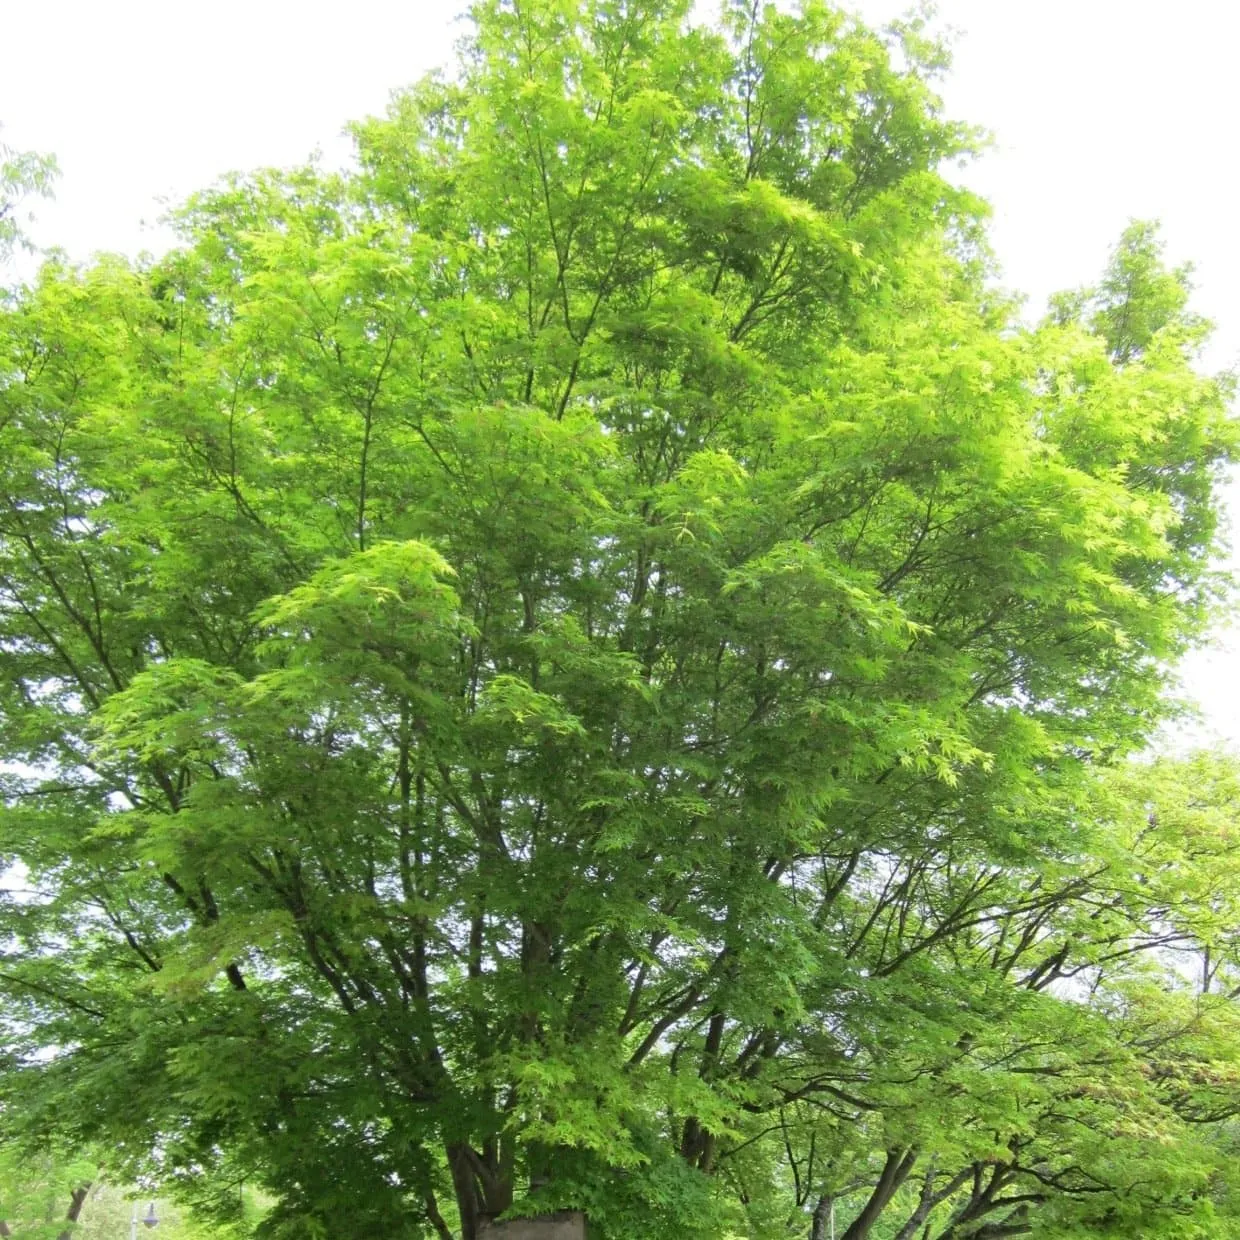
x=1102 y=110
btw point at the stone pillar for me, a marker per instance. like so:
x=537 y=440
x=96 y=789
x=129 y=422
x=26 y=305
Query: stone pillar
x=566 y=1225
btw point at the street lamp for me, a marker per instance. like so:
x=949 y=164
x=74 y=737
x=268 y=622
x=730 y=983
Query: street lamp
x=149 y=1220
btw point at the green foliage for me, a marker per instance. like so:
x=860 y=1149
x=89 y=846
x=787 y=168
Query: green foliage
x=22 y=174
x=588 y=662
x=50 y=1197
x=37 y=1193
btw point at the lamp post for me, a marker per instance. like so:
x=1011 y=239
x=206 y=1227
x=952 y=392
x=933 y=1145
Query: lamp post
x=148 y=1220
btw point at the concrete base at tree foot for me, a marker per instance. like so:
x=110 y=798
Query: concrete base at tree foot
x=567 y=1225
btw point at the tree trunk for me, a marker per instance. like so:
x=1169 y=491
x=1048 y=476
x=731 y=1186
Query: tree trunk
x=895 y=1171
x=482 y=1183
x=822 y=1215
x=77 y=1199
x=465 y=1187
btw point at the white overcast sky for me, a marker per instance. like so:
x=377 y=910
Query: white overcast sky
x=1102 y=110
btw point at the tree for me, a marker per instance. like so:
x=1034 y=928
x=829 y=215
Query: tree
x=525 y=662
x=22 y=174
x=59 y=1198
x=43 y=1197
x=1067 y=1059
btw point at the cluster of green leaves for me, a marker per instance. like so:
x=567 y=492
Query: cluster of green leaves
x=566 y=667
x=1060 y=1057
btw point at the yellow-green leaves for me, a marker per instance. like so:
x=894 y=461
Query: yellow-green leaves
x=567 y=665
x=172 y=712
x=393 y=594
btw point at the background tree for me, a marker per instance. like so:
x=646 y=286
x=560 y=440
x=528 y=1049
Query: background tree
x=43 y=1197
x=583 y=642
x=22 y=174
x=1072 y=1070
x=51 y=1198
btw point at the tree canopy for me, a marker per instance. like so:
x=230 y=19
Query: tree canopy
x=591 y=661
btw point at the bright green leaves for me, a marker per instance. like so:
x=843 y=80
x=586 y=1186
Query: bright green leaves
x=510 y=700
x=369 y=621
x=170 y=712
x=1137 y=299
x=571 y=657
x=372 y=619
